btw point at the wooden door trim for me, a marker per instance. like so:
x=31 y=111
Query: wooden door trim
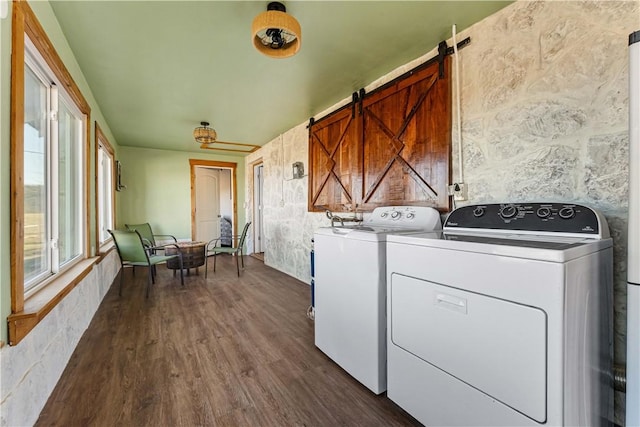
x=193 y=163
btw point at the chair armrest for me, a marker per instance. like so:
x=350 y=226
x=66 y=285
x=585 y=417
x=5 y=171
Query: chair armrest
x=166 y=235
x=163 y=247
x=215 y=241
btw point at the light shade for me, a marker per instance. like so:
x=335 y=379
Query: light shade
x=275 y=33
x=204 y=134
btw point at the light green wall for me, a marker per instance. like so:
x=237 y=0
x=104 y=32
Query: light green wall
x=45 y=15
x=159 y=189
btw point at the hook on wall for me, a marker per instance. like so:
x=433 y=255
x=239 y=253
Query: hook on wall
x=119 y=185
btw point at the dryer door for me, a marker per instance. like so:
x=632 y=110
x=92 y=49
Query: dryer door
x=495 y=346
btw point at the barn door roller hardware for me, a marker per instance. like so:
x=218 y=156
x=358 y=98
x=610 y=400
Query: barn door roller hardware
x=361 y=94
x=354 y=101
x=443 y=51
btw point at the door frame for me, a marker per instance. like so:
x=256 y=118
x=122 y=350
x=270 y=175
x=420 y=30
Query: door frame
x=254 y=212
x=193 y=163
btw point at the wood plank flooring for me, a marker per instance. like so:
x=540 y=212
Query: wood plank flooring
x=227 y=351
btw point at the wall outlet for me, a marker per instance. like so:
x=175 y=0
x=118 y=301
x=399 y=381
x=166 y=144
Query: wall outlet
x=459 y=191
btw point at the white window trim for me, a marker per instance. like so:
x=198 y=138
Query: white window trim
x=103 y=146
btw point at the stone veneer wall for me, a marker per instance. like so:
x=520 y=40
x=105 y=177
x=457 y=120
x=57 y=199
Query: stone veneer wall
x=288 y=227
x=30 y=370
x=544 y=118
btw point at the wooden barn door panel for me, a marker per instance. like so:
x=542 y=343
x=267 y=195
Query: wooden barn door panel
x=334 y=162
x=406 y=143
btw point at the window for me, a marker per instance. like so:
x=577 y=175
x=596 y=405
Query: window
x=53 y=181
x=49 y=179
x=105 y=187
x=53 y=172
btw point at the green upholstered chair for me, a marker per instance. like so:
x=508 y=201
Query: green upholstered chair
x=134 y=253
x=148 y=237
x=213 y=248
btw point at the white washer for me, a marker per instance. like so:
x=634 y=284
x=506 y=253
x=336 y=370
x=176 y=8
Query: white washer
x=504 y=318
x=350 y=287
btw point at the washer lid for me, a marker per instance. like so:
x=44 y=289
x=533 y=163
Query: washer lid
x=365 y=232
x=543 y=248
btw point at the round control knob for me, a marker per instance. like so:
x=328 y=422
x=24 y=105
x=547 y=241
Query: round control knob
x=566 y=213
x=478 y=212
x=508 y=211
x=543 y=212
x=410 y=215
x=383 y=215
x=395 y=214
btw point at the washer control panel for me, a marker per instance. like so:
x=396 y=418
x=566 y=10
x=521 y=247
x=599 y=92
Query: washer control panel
x=535 y=217
x=405 y=216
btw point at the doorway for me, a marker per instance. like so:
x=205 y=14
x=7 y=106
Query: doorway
x=213 y=200
x=258 y=204
x=208 y=213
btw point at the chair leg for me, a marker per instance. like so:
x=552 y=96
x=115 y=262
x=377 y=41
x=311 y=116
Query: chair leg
x=152 y=269
x=149 y=280
x=206 y=262
x=242 y=258
x=215 y=257
x=237 y=264
x=121 y=280
x=181 y=269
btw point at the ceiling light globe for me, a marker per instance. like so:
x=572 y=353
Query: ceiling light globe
x=204 y=134
x=275 y=19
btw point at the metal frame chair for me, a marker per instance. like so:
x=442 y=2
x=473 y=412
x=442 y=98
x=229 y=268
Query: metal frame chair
x=134 y=253
x=215 y=250
x=148 y=237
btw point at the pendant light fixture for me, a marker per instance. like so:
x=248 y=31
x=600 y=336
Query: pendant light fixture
x=204 y=134
x=275 y=33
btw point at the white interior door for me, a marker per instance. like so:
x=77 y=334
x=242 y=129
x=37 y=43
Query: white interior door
x=258 y=184
x=207 y=210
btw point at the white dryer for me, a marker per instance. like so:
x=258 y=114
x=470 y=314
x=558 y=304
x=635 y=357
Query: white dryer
x=350 y=289
x=504 y=318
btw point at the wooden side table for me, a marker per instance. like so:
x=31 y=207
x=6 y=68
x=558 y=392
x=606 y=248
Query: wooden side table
x=193 y=256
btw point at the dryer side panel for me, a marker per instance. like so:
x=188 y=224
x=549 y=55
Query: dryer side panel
x=588 y=356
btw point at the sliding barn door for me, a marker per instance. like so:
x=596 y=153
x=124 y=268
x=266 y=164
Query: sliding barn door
x=406 y=142
x=389 y=147
x=335 y=162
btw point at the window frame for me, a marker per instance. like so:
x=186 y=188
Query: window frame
x=59 y=101
x=26 y=312
x=102 y=141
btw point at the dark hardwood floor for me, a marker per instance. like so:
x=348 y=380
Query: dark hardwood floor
x=227 y=351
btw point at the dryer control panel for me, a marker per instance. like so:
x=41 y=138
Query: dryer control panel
x=539 y=218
